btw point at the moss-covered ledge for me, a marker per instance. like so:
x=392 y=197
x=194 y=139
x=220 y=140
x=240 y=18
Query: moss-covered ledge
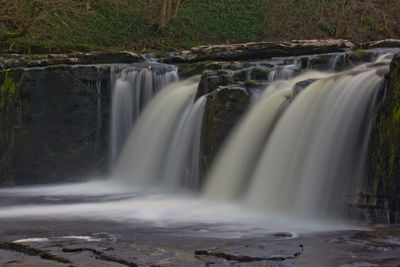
x=382 y=182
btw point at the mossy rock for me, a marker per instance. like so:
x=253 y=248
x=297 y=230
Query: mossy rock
x=186 y=70
x=320 y=62
x=225 y=106
x=361 y=56
x=239 y=76
x=382 y=180
x=210 y=80
x=259 y=74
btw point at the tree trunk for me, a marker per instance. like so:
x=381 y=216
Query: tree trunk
x=178 y=3
x=169 y=11
x=163 y=15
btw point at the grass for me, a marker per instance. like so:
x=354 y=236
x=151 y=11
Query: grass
x=132 y=24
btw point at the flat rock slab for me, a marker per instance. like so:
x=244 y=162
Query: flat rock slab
x=85 y=243
x=260 y=50
x=382 y=44
x=13 y=61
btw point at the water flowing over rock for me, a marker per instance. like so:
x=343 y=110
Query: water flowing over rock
x=132 y=89
x=300 y=157
x=284 y=135
x=164 y=144
x=55 y=120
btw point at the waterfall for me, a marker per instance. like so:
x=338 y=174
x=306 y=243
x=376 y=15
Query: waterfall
x=132 y=89
x=232 y=167
x=299 y=152
x=163 y=146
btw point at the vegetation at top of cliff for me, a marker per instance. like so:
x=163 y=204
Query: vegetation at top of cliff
x=143 y=25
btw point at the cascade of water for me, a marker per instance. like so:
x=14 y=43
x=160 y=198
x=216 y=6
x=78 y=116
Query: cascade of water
x=314 y=149
x=182 y=160
x=166 y=133
x=239 y=155
x=133 y=87
x=300 y=160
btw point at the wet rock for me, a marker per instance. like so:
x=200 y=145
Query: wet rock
x=186 y=70
x=14 y=61
x=259 y=74
x=300 y=86
x=282 y=234
x=50 y=125
x=210 y=80
x=260 y=50
x=382 y=179
x=32 y=251
x=100 y=255
x=361 y=56
x=240 y=76
x=320 y=62
x=225 y=106
x=360 y=264
x=248 y=254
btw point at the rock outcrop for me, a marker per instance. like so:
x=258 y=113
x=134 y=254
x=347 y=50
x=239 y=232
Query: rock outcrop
x=13 y=61
x=53 y=123
x=225 y=106
x=382 y=181
x=382 y=44
x=260 y=50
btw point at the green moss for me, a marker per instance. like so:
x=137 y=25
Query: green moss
x=320 y=61
x=259 y=74
x=383 y=167
x=224 y=108
x=186 y=70
x=396 y=113
x=9 y=107
x=361 y=56
x=240 y=76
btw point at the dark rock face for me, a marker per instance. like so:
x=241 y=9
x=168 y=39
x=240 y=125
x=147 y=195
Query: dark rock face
x=54 y=123
x=229 y=87
x=382 y=182
x=260 y=50
x=225 y=106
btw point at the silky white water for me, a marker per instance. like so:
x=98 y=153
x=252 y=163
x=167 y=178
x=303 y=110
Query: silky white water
x=305 y=164
x=150 y=207
x=240 y=154
x=132 y=89
x=286 y=166
x=163 y=147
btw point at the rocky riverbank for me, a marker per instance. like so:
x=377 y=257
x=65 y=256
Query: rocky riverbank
x=56 y=243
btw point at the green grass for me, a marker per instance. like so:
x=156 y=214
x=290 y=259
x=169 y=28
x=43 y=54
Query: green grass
x=131 y=25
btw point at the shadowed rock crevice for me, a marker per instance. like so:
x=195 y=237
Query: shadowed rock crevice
x=32 y=251
x=100 y=256
x=247 y=255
